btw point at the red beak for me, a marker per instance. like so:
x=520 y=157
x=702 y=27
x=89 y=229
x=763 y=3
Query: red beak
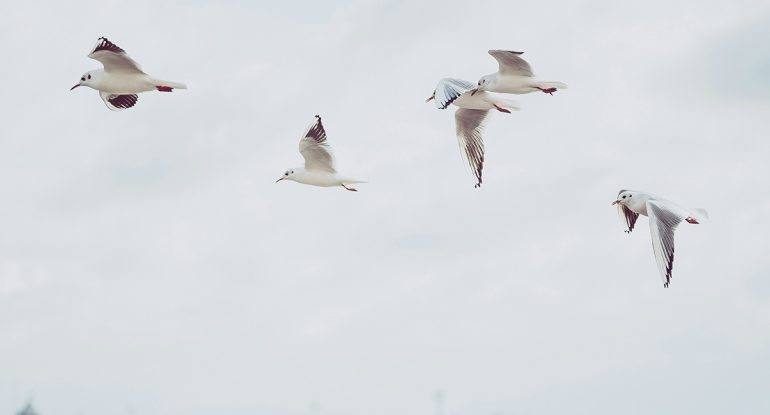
x=473 y=91
x=615 y=202
x=76 y=85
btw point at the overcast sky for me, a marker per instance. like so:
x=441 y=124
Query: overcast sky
x=149 y=265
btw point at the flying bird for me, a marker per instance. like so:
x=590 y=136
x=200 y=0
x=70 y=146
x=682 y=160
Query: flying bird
x=319 y=167
x=121 y=79
x=470 y=117
x=514 y=76
x=664 y=217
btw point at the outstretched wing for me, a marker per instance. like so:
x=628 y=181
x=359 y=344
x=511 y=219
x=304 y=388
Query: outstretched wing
x=114 y=58
x=663 y=223
x=511 y=63
x=628 y=217
x=470 y=124
x=118 y=102
x=315 y=149
x=449 y=89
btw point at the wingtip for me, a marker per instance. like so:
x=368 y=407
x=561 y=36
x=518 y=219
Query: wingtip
x=491 y=51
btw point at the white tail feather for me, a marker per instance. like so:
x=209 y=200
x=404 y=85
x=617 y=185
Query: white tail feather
x=509 y=104
x=557 y=85
x=175 y=85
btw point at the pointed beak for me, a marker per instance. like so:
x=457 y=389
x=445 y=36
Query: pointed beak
x=76 y=85
x=279 y=179
x=474 y=90
x=615 y=202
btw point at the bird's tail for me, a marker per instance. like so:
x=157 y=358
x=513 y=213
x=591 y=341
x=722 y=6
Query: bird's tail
x=551 y=84
x=508 y=103
x=168 y=85
x=351 y=181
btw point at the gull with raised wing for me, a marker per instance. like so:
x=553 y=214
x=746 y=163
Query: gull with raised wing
x=514 y=76
x=664 y=217
x=319 y=167
x=121 y=79
x=470 y=117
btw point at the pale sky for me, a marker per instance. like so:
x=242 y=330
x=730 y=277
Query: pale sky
x=149 y=265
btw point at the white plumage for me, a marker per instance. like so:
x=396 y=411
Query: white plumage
x=470 y=117
x=664 y=217
x=121 y=79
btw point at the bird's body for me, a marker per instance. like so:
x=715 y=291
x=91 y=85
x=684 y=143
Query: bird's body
x=122 y=78
x=321 y=178
x=127 y=83
x=515 y=84
x=514 y=76
x=664 y=217
x=470 y=117
x=319 y=167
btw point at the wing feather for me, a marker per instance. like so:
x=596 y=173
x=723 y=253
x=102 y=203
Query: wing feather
x=449 y=89
x=119 y=102
x=628 y=217
x=113 y=57
x=510 y=63
x=663 y=223
x=315 y=149
x=470 y=124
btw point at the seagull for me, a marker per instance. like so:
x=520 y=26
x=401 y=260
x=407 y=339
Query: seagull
x=121 y=79
x=319 y=161
x=664 y=217
x=470 y=117
x=514 y=76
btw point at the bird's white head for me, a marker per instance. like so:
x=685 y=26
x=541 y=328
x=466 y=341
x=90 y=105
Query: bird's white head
x=88 y=79
x=485 y=82
x=629 y=198
x=287 y=175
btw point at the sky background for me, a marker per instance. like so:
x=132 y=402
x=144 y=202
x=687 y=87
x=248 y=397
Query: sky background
x=149 y=265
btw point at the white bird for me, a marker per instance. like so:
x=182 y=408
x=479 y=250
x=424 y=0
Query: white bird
x=319 y=161
x=121 y=79
x=514 y=76
x=470 y=117
x=664 y=216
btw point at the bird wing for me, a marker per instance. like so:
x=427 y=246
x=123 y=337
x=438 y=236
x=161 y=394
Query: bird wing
x=470 y=124
x=449 y=89
x=663 y=222
x=511 y=63
x=628 y=217
x=315 y=149
x=113 y=57
x=118 y=102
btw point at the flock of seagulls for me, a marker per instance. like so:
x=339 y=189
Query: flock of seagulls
x=122 y=79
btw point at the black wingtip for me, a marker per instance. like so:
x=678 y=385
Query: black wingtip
x=105 y=44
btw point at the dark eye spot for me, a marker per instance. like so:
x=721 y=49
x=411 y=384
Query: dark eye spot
x=89 y=76
x=624 y=196
x=287 y=173
x=630 y=195
x=83 y=78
